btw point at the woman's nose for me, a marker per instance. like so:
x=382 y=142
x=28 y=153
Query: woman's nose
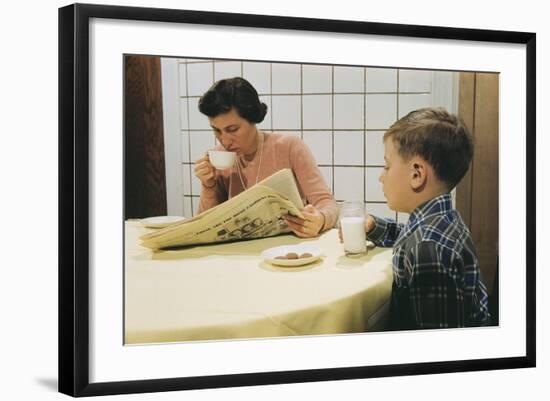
x=225 y=140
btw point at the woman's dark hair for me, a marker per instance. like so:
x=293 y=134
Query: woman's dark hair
x=233 y=93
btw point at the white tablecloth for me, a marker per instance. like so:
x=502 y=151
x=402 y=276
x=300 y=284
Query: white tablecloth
x=227 y=291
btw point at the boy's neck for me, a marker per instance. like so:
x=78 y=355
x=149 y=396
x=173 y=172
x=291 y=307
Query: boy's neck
x=425 y=196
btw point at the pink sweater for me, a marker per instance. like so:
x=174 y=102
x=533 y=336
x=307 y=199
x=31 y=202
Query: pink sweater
x=279 y=152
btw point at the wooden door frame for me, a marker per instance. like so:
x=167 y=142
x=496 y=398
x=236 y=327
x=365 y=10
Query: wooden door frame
x=477 y=195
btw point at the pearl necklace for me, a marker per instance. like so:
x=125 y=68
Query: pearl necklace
x=259 y=164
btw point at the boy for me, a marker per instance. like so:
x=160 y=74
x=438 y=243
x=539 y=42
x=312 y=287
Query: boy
x=437 y=282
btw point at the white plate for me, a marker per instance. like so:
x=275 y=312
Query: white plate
x=160 y=221
x=270 y=254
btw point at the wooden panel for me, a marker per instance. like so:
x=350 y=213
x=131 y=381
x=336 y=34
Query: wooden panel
x=466 y=111
x=144 y=165
x=484 y=212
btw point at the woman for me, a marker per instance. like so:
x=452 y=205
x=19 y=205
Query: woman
x=233 y=109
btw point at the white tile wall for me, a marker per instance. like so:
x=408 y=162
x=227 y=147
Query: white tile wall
x=415 y=81
x=381 y=80
x=320 y=144
x=187 y=208
x=286 y=78
x=348 y=183
x=195 y=188
x=182 y=71
x=197 y=120
x=259 y=75
x=266 y=124
x=317 y=112
x=348 y=148
x=201 y=142
x=172 y=128
x=349 y=112
x=443 y=83
x=184 y=119
x=327 y=175
x=200 y=77
x=185 y=155
x=349 y=79
x=316 y=79
x=187 y=172
x=373 y=185
x=227 y=69
x=408 y=103
x=380 y=210
x=341 y=113
x=286 y=112
x=374 y=147
x=381 y=111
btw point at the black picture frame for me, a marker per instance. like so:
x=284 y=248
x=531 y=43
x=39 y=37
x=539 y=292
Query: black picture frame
x=74 y=194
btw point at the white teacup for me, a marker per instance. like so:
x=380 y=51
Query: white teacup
x=222 y=159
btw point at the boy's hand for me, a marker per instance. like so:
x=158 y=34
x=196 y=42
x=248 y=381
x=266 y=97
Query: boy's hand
x=369 y=226
x=310 y=226
x=370 y=223
x=205 y=171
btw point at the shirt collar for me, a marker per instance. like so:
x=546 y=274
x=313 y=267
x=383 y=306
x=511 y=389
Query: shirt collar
x=439 y=205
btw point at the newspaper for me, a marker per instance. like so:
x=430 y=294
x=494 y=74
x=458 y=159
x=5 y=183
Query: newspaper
x=255 y=213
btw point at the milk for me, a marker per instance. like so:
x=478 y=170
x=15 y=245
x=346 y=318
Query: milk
x=353 y=231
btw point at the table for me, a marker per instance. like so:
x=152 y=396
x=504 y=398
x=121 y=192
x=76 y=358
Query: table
x=226 y=291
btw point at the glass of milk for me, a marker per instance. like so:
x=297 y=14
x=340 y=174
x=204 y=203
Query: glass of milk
x=352 y=223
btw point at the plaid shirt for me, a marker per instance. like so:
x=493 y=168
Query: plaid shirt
x=436 y=278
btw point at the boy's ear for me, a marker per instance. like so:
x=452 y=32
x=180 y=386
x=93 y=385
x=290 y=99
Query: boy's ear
x=418 y=174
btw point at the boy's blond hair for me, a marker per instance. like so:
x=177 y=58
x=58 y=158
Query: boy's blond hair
x=437 y=136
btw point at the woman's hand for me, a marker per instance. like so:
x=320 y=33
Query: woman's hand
x=310 y=226
x=205 y=171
